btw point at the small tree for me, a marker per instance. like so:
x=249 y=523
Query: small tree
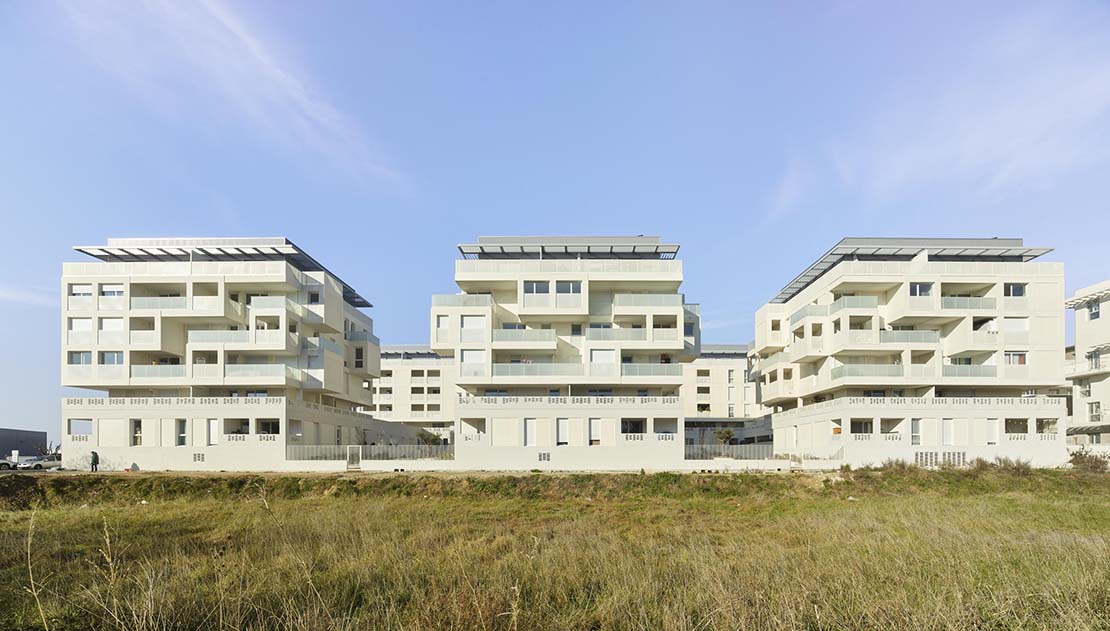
x=427 y=438
x=724 y=435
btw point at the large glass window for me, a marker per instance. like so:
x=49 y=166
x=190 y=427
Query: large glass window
x=80 y=358
x=1015 y=358
x=921 y=289
x=1013 y=290
x=536 y=287
x=1092 y=310
x=568 y=287
x=111 y=358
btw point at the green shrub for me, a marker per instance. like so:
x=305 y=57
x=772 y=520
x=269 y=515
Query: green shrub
x=1084 y=460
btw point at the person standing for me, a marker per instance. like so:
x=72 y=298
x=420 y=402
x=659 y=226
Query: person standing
x=94 y=461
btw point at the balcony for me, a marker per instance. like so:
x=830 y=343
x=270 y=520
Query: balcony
x=112 y=303
x=532 y=402
x=159 y=302
x=112 y=338
x=158 y=371
x=647 y=300
x=651 y=370
x=239 y=371
x=967 y=302
x=363 y=336
x=472 y=335
x=854 y=302
x=808 y=311
x=80 y=303
x=277 y=302
x=472 y=370
x=218 y=337
x=619 y=335
x=523 y=335
x=538 y=370
x=978 y=370
x=80 y=338
x=462 y=300
x=909 y=337
x=143 y=337
x=207 y=303
x=867 y=370
x=532 y=301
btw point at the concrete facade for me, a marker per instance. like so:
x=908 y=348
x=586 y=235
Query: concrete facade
x=212 y=354
x=926 y=350
x=1089 y=370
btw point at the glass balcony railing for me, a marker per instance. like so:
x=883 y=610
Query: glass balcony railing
x=969 y=371
x=257 y=370
x=867 y=370
x=158 y=371
x=627 y=335
x=523 y=335
x=809 y=310
x=909 y=337
x=537 y=370
x=159 y=302
x=651 y=370
x=363 y=336
x=218 y=337
x=647 y=300
x=462 y=300
x=854 y=302
x=966 y=302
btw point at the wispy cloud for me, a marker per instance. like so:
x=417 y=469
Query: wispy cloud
x=1028 y=105
x=28 y=297
x=189 y=56
x=1024 y=107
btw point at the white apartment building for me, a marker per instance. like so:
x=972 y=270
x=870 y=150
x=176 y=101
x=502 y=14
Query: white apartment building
x=570 y=352
x=417 y=387
x=930 y=351
x=214 y=354
x=1089 y=372
x=718 y=394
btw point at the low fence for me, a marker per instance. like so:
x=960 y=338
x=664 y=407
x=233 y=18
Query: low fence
x=762 y=451
x=370 y=452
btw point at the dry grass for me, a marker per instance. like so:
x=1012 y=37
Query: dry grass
x=988 y=549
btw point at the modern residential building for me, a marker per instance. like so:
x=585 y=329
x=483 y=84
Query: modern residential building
x=236 y=354
x=930 y=351
x=718 y=395
x=1089 y=370
x=417 y=387
x=569 y=352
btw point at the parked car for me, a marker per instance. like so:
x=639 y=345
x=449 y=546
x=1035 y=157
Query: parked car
x=49 y=461
x=6 y=464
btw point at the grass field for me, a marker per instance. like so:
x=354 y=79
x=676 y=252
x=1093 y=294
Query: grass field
x=896 y=549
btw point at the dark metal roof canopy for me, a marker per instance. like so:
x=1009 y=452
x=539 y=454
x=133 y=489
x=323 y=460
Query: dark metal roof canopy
x=638 y=247
x=217 y=249
x=897 y=249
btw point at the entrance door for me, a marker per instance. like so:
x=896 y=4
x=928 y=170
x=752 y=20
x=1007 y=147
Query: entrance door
x=354 y=457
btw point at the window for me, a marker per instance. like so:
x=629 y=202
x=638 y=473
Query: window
x=594 y=430
x=562 y=431
x=338 y=435
x=512 y=326
x=136 y=432
x=776 y=325
x=960 y=361
x=632 y=425
x=441 y=322
x=1013 y=290
x=80 y=358
x=1015 y=358
x=731 y=375
x=80 y=290
x=111 y=290
x=600 y=325
x=947 y=431
x=1094 y=411
x=180 y=423
x=688 y=329
x=529 y=432
x=358 y=357
x=80 y=426
x=268 y=426
x=874 y=394
x=314 y=298
x=1094 y=360
x=80 y=324
x=862 y=426
x=992 y=431
x=1017 y=426
x=1092 y=310
x=915 y=431
x=576 y=329
x=731 y=411
x=603 y=356
x=554 y=392
x=111 y=358
x=568 y=287
x=536 y=287
x=921 y=289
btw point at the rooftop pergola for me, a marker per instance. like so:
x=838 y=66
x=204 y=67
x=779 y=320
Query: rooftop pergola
x=897 y=249
x=638 y=247
x=216 y=249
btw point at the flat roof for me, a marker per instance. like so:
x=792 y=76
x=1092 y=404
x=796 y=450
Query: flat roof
x=1093 y=292
x=725 y=349
x=216 y=249
x=895 y=248
x=536 y=247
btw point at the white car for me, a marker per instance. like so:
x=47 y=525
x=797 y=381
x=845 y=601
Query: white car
x=49 y=461
x=6 y=464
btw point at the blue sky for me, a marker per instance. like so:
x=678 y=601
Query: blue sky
x=378 y=135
